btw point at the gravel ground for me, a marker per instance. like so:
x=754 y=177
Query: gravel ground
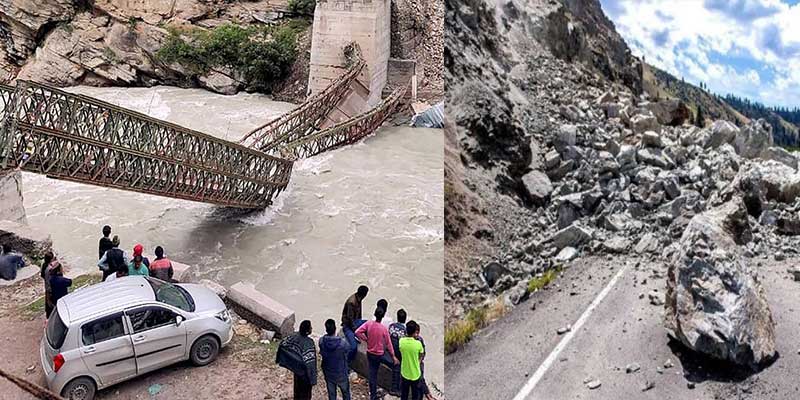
x=244 y=370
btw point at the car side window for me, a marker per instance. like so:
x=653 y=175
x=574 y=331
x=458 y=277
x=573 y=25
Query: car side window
x=151 y=317
x=102 y=329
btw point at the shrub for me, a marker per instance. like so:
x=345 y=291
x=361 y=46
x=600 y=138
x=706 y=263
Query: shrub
x=462 y=331
x=539 y=282
x=302 y=6
x=261 y=55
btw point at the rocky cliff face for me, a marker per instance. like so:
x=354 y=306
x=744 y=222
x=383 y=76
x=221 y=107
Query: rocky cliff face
x=112 y=42
x=512 y=67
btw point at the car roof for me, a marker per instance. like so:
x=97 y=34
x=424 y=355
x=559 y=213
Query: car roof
x=104 y=298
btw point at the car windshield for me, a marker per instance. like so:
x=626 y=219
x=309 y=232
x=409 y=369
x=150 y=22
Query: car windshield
x=173 y=295
x=56 y=330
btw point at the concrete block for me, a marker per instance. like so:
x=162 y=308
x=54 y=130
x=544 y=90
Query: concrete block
x=182 y=272
x=261 y=310
x=215 y=287
x=361 y=366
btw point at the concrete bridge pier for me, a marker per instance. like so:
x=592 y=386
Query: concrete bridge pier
x=337 y=23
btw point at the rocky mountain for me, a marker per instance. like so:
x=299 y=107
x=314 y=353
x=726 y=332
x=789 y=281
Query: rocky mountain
x=556 y=150
x=116 y=43
x=659 y=84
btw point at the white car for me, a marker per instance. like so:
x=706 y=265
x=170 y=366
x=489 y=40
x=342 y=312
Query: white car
x=113 y=331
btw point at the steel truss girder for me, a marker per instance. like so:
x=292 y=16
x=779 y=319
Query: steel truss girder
x=305 y=119
x=346 y=132
x=79 y=138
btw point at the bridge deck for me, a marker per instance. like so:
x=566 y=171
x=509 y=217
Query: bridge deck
x=79 y=138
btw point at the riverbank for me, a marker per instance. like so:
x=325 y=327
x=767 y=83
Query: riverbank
x=245 y=369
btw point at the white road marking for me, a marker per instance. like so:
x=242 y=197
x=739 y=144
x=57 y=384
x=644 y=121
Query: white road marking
x=548 y=362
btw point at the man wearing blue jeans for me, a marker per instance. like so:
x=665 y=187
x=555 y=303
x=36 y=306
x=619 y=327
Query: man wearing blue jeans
x=397 y=330
x=333 y=350
x=378 y=342
x=351 y=319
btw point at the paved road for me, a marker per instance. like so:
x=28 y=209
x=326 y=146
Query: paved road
x=622 y=328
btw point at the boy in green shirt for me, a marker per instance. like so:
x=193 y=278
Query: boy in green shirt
x=137 y=267
x=412 y=354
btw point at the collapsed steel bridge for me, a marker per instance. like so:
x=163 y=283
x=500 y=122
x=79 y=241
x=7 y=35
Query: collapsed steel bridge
x=78 y=138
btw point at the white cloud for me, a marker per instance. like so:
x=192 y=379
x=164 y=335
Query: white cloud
x=682 y=38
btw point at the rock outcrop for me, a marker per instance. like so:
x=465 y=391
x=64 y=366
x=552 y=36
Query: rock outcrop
x=715 y=304
x=11 y=205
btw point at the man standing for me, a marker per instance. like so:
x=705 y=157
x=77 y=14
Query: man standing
x=412 y=353
x=105 y=242
x=161 y=267
x=397 y=331
x=59 y=285
x=114 y=260
x=298 y=354
x=137 y=267
x=377 y=337
x=10 y=263
x=138 y=250
x=333 y=350
x=351 y=319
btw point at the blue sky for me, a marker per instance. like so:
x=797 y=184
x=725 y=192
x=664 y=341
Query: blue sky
x=750 y=48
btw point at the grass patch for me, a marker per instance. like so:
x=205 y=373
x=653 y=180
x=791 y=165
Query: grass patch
x=460 y=333
x=540 y=282
x=36 y=307
x=258 y=55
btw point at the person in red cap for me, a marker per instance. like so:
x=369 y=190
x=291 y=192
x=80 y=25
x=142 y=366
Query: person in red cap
x=137 y=251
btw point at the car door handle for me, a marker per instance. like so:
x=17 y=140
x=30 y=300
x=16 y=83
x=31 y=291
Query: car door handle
x=89 y=350
x=139 y=338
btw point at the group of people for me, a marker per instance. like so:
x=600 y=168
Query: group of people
x=114 y=262
x=56 y=285
x=395 y=344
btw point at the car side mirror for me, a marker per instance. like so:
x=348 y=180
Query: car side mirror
x=178 y=320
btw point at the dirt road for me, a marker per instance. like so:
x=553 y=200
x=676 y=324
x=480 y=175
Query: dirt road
x=244 y=370
x=523 y=357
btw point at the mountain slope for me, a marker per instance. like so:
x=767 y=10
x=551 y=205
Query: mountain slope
x=660 y=84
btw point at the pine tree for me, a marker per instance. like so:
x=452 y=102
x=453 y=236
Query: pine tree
x=699 y=120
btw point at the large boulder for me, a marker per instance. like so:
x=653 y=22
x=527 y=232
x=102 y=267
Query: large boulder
x=719 y=133
x=571 y=236
x=641 y=123
x=538 y=186
x=715 y=303
x=670 y=112
x=754 y=139
x=25 y=21
x=565 y=137
x=780 y=155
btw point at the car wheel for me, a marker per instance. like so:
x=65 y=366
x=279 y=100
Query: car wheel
x=81 y=388
x=204 y=350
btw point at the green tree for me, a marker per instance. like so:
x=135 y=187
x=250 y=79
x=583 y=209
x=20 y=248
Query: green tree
x=700 y=118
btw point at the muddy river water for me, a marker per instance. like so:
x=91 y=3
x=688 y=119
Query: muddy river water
x=371 y=213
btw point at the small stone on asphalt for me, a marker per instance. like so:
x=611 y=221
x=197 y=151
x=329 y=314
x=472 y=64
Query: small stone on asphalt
x=593 y=384
x=632 y=367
